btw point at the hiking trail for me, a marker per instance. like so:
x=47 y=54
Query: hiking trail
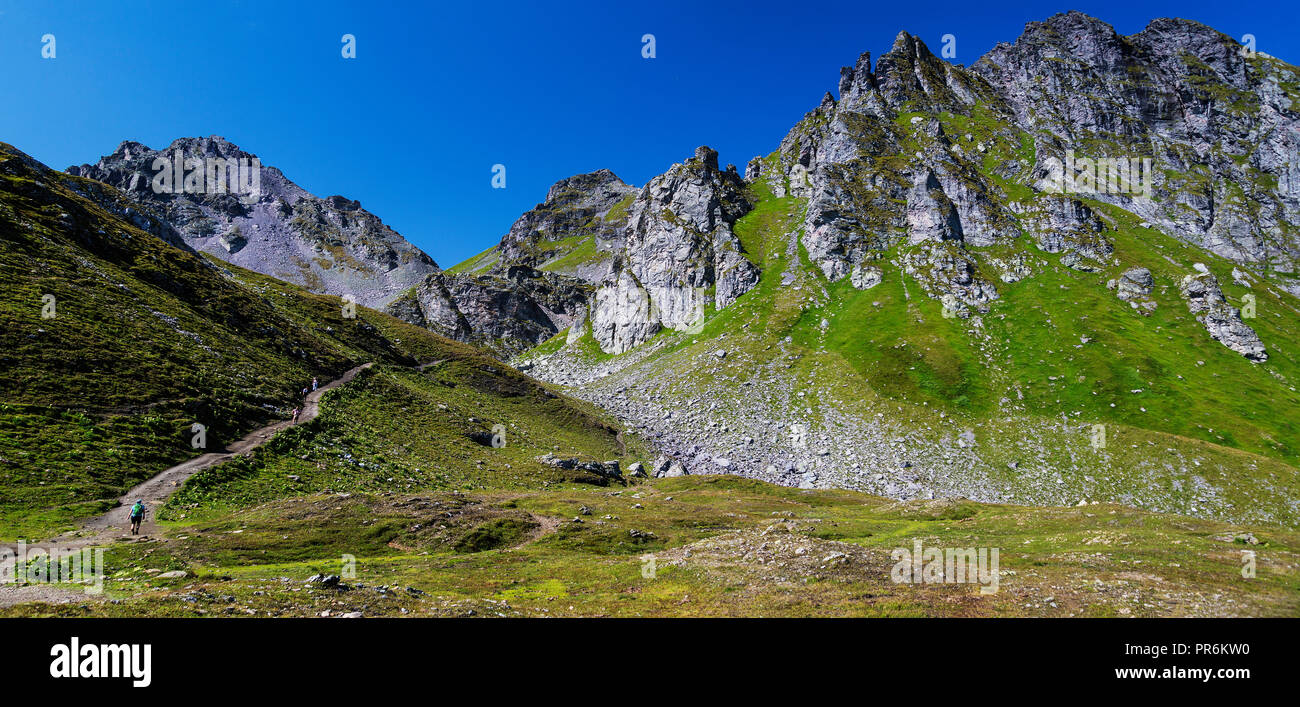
x=115 y=525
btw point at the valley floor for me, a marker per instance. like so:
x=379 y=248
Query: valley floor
x=688 y=546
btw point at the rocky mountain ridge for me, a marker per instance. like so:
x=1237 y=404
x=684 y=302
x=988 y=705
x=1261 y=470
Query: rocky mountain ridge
x=920 y=212
x=214 y=198
x=949 y=161
x=222 y=201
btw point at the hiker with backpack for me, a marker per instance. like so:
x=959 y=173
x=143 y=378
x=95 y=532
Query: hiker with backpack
x=137 y=516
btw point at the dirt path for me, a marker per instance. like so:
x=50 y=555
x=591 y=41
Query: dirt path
x=114 y=525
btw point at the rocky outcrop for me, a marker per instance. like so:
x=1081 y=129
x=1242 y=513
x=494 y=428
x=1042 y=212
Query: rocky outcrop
x=865 y=277
x=1066 y=225
x=588 y=210
x=1135 y=286
x=668 y=468
x=505 y=312
x=1222 y=320
x=431 y=305
x=521 y=307
x=600 y=473
x=948 y=274
x=680 y=255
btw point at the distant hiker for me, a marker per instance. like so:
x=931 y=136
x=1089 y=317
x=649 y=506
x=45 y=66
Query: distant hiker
x=304 y=392
x=137 y=515
x=295 y=416
x=313 y=384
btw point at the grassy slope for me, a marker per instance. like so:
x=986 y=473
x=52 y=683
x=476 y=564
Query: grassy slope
x=396 y=429
x=563 y=256
x=477 y=264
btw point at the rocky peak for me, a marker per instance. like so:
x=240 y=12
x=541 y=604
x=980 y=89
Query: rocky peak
x=851 y=75
x=1074 y=33
x=1219 y=132
x=125 y=150
x=589 y=207
x=857 y=85
x=707 y=156
x=602 y=182
x=537 y=280
x=221 y=200
x=910 y=76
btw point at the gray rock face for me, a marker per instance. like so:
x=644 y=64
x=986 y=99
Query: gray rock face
x=871 y=183
x=678 y=245
x=1218 y=124
x=949 y=274
x=865 y=277
x=1135 y=284
x=1065 y=225
x=583 y=207
x=1186 y=97
x=520 y=307
x=505 y=312
x=1222 y=320
x=439 y=309
x=536 y=282
x=256 y=218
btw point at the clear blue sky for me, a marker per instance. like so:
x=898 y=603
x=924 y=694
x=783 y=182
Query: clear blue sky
x=440 y=92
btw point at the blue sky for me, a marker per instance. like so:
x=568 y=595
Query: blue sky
x=440 y=92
